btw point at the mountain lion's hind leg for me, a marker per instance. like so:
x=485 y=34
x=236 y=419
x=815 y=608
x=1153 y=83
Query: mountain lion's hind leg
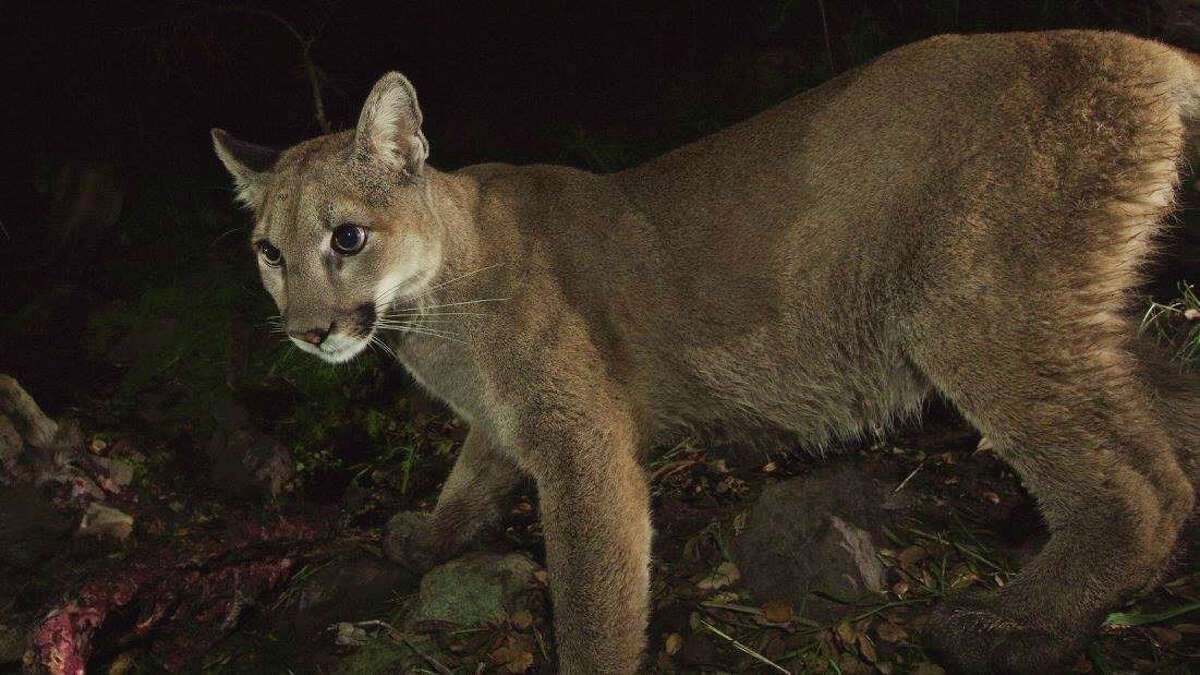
x=473 y=500
x=1089 y=445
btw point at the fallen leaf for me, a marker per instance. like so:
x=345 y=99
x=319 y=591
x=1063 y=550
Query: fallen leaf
x=673 y=643
x=521 y=620
x=890 y=632
x=777 y=612
x=513 y=659
x=770 y=466
x=726 y=574
x=1165 y=635
x=912 y=554
x=122 y=664
x=992 y=497
x=845 y=633
x=867 y=648
x=1191 y=314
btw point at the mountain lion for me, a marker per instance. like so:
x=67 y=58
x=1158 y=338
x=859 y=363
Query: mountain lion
x=966 y=215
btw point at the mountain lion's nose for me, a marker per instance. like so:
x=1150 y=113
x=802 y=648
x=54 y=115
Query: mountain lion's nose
x=314 y=336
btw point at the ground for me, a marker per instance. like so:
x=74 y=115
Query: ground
x=240 y=579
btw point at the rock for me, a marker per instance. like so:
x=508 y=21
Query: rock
x=105 y=521
x=817 y=533
x=477 y=588
x=344 y=590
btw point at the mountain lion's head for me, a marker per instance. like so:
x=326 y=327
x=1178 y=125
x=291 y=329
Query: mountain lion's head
x=342 y=223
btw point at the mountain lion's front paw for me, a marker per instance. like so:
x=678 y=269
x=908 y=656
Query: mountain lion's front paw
x=977 y=634
x=408 y=540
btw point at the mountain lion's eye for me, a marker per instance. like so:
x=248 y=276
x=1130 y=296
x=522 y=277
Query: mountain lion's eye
x=348 y=239
x=269 y=253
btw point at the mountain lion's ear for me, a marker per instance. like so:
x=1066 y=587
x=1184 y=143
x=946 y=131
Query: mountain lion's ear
x=248 y=163
x=389 y=128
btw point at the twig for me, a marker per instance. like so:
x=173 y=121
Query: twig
x=908 y=478
x=744 y=649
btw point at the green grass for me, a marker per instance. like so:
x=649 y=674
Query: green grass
x=1176 y=325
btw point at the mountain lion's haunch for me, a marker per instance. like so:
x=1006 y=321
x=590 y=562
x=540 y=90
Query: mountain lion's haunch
x=965 y=215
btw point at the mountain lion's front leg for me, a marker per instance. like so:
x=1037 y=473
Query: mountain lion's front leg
x=473 y=500
x=596 y=516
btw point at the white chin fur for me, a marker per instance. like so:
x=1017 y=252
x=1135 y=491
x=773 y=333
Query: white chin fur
x=335 y=348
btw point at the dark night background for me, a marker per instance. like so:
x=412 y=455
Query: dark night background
x=128 y=92
x=128 y=297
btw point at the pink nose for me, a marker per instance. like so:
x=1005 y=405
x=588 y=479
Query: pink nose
x=314 y=336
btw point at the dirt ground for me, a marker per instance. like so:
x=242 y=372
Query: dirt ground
x=209 y=577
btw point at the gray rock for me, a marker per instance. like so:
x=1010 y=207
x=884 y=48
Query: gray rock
x=343 y=590
x=477 y=588
x=817 y=535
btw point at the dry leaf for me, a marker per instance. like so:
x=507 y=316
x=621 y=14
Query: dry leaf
x=1166 y=636
x=514 y=659
x=900 y=588
x=1191 y=314
x=777 y=612
x=992 y=497
x=890 y=632
x=521 y=620
x=867 y=648
x=845 y=633
x=911 y=554
x=770 y=466
x=673 y=643
x=726 y=574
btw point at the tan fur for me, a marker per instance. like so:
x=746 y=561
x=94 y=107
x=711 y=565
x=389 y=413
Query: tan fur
x=965 y=215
